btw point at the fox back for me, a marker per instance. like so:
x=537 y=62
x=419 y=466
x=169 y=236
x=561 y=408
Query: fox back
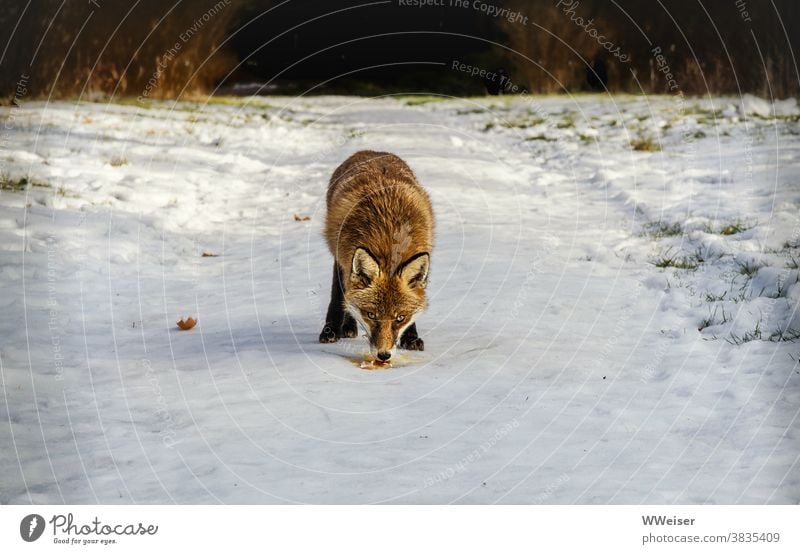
x=379 y=228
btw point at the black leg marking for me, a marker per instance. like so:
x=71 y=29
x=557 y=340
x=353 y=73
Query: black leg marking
x=332 y=331
x=349 y=327
x=410 y=340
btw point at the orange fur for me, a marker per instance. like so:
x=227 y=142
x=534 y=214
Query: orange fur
x=380 y=215
x=375 y=201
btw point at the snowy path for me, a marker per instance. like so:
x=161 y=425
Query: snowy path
x=561 y=364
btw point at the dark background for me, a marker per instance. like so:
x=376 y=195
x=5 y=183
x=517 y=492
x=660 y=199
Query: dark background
x=80 y=49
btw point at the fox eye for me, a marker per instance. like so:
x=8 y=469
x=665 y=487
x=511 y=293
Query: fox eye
x=371 y=315
x=400 y=318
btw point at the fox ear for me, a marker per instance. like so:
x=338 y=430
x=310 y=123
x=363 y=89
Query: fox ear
x=415 y=270
x=365 y=267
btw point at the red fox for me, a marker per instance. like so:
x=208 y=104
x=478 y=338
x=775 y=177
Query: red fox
x=379 y=228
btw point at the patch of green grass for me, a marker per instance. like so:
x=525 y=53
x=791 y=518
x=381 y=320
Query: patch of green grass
x=659 y=229
x=742 y=295
x=248 y=101
x=738 y=340
x=712 y=319
x=708 y=228
x=567 y=123
x=749 y=268
x=522 y=122
x=791 y=118
x=705 y=254
x=189 y=104
x=788 y=334
x=710 y=120
x=225 y=100
x=785 y=335
x=11 y=184
x=645 y=144
x=470 y=111
x=129 y=101
x=420 y=99
x=668 y=259
x=734 y=228
x=541 y=137
x=704 y=116
x=711 y=297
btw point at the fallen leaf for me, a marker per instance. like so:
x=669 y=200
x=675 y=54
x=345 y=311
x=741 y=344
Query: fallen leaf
x=186 y=324
x=301 y=218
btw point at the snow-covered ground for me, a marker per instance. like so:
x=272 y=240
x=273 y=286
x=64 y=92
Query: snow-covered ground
x=568 y=359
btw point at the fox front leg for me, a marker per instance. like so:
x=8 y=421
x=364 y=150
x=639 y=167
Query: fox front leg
x=410 y=340
x=349 y=327
x=332 y=331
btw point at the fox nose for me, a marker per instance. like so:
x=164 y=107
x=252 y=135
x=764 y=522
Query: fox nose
x=383 y=356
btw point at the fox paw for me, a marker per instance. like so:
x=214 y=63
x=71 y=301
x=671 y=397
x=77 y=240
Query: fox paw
x=349 y=331
x=327 y=335
x=412 y=343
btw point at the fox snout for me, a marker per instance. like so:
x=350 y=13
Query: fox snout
x=382 y=340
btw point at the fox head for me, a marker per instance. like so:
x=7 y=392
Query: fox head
x=386 y=301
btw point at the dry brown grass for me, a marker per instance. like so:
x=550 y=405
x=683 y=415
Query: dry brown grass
x=645 y=144
x=105 y=50
x=701 y=61
x=102 y=49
